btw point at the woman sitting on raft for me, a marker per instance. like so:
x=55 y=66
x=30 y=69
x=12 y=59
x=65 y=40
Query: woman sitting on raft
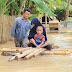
x=35 y=23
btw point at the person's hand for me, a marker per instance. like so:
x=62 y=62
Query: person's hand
x=13 y=39
x=38 y=46
x=31 y=40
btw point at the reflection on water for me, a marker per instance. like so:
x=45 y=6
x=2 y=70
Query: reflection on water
x=45 y=63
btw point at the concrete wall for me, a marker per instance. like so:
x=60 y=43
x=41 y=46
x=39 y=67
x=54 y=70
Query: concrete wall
x=5 y=28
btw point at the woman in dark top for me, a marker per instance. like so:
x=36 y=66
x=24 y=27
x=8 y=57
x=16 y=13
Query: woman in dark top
x=35 y=22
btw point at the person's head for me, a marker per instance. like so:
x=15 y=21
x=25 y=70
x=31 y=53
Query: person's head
x=35 y=22
x=26 y=13
x=39 y=30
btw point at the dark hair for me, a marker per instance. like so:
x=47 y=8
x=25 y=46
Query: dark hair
x=26 y=9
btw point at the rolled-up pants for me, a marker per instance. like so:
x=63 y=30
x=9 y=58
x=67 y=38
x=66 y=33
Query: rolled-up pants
x=21 y=43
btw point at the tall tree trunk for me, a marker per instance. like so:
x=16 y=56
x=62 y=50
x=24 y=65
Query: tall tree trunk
x=67 y=12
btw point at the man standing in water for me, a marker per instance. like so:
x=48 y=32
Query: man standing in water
x=20 y=28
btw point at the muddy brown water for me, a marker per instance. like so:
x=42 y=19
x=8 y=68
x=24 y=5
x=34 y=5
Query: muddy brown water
x=45 y=63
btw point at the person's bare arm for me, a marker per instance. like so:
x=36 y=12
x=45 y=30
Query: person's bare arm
x=46 y=43
x=35 y=44
x=41 y=43
x=33 y=41
x=13 y=30
x=13 y=39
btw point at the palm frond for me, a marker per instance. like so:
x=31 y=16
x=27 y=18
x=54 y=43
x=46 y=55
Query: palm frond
x=43 y=7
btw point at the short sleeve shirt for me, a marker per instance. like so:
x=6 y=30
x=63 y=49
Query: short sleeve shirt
x=39 y=39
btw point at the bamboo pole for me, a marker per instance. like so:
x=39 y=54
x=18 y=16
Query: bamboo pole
x=31 y=54
x=61 y=53
x=7 y=50
x=36 y=54
x=14 y=54
x=56 y=52
x=14 y=49
x=11 y=59
x=67 y=53
x=61 y=50
x=23 y=49
x=4 y=53
x=70 y=51
x=24 y=54
x=19 y=47
x=48 y=52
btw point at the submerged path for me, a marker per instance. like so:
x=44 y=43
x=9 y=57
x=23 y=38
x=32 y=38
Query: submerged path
x=46 y=63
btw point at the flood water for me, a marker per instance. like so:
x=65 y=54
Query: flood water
x=45 y=63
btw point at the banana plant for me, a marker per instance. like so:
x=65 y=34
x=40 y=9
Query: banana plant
x=43 y=7
x=5 y=5
x=52 y=3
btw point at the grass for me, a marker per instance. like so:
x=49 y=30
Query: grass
x=69 y=18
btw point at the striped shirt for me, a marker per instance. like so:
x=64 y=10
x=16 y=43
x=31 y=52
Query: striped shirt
x=39 y=39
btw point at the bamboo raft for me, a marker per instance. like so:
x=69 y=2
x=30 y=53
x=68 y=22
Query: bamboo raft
x=29 y=52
